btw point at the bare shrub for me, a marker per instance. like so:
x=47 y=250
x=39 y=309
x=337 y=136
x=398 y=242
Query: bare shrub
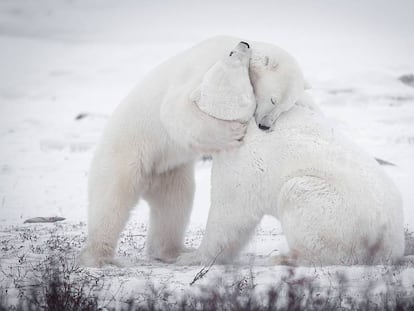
x=60 y=285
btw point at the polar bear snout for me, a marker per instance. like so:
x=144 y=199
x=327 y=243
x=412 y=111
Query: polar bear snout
x=242 y=52
x=242 y=47
x=264 y=123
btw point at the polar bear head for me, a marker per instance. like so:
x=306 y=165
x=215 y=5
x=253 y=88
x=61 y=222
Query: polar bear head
x=277 y=81
x=225 y=91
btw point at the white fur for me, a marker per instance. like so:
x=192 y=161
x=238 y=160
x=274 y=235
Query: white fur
x=148 y=151
x=225 y=92
x=335 y=203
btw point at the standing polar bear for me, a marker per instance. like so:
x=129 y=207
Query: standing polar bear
x=156 y=134
x=335 y=203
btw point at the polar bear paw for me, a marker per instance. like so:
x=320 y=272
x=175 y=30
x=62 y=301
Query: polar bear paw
x=193 y=258
x=169 y=255
x=231 y=135
x=234 y=131
x=92 y=259
x=220 y=135
x=290 y=259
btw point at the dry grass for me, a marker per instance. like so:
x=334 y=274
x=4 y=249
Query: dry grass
x=57 y=284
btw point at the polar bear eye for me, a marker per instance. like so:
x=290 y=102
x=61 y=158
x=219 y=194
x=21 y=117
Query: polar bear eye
x=273 y=100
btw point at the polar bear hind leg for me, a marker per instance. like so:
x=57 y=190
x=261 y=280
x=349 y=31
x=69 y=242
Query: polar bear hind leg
x=315 y=222
x=112 y=194
x=170 y=198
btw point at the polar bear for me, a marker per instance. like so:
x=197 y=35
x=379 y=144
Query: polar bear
x=335 y=203
x=151 y=143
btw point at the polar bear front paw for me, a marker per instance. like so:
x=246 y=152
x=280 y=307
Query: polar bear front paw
x=88 y=258
x=168 y=255
x=193 y=259
x=221 y=135
x=235 y=132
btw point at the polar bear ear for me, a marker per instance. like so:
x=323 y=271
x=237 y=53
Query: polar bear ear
x=308 y=86
x=196 y=95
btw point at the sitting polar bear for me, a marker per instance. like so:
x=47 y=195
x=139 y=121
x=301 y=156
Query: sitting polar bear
x=156 y=134
x=334 y=202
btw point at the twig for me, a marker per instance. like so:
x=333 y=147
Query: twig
x=205 y=270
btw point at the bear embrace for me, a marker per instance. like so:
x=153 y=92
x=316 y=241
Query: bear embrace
x=151 y=143
x=335 y=203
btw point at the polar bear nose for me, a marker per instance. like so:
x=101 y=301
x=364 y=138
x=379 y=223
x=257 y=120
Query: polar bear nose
x=263 y=123
x=245 y=43
x=264 y=127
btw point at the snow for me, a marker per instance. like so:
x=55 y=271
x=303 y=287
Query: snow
x=60 y=58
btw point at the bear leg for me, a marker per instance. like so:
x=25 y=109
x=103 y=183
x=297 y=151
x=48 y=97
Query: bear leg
x=113 y=192
x=317 y=223
x=231 y=222
x=170 y=198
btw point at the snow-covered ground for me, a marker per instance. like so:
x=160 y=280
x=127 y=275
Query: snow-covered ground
x=61 y=58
